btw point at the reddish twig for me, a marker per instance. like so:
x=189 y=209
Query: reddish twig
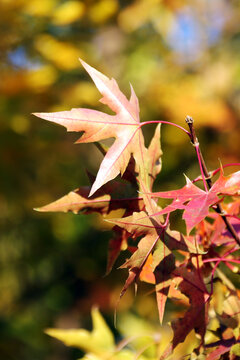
x=165 y=122
x=214 y=172
x=207 y=178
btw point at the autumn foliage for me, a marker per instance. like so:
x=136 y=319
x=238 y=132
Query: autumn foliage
x=191 y=268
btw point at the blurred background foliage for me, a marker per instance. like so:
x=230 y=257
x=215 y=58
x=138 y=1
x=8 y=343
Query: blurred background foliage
x=182 y=57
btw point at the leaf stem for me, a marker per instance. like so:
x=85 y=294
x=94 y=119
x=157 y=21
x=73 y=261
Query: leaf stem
x=201 y=165
x=206 y=176
x=214 y=172
x=165 y=122
x=221 y=259
x=218 y=260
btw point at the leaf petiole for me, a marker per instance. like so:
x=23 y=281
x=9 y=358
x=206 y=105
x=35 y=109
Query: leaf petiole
x=165 y=122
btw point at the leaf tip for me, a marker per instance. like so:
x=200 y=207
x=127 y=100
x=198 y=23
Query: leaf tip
x=82 y=62
x=36 y=114
x=41 y=209
x=87 y=67
x=188 y=181
x=50 y=332
x=92 y=191
x=96 y=185
x=221 y=167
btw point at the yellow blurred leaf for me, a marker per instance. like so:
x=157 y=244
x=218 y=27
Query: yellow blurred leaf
x=217 y=301
x=84 y=92
x=190 y=96
x=41 y=78
x=98 y=341
x=218 y=77
x=64 y=55
x=136 y=14
x=102 y=10
x=163 y=20
x=128 y=355
x=40 y=7
x=91 y=357
x=236 y=350
x=68 y=12
x=121 y=355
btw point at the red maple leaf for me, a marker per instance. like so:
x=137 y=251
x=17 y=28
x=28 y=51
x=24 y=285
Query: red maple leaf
x=196 y=317
x=196 y=202
x=158 y=241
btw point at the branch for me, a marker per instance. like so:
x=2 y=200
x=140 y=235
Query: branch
x=207 y=177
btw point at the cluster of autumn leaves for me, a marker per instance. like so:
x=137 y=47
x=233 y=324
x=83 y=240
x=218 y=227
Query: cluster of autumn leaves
x=182 y=267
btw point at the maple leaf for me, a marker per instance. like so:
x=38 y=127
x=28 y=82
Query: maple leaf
x=159 y=241
x=192 y=286
x=163 y=265
x=217 y=232
x=146 y=247
x=153 y=163
x=77 y=201
x=227 y=185
x=138 y=224
x=117 y=244
x=156 y=240
x=196 y=316
x=96 y=125
x=196 y=202
x=110 y=197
